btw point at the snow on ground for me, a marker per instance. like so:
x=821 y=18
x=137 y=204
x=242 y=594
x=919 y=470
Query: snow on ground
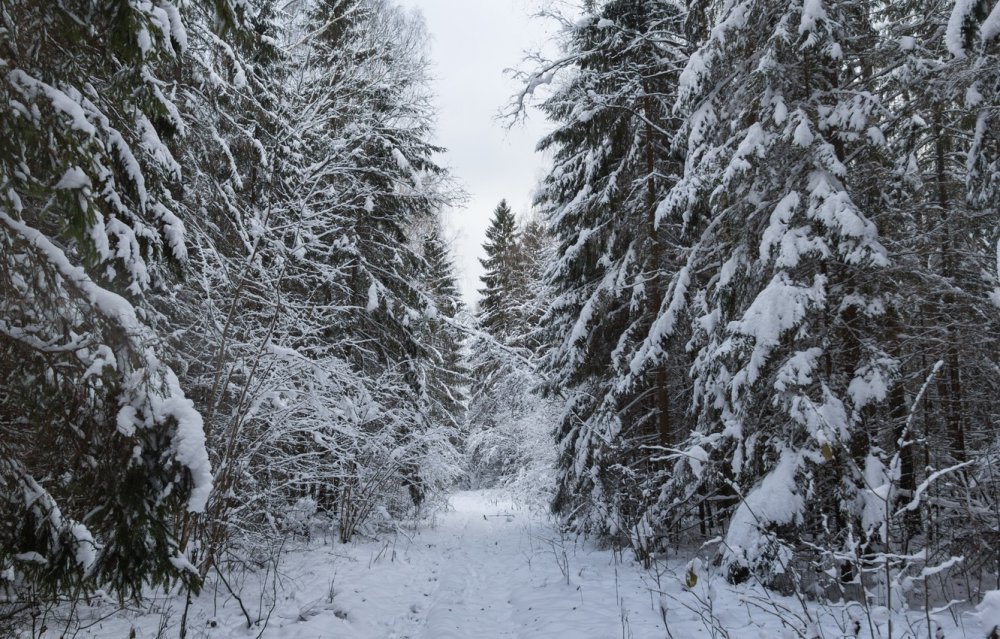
x=488 y=569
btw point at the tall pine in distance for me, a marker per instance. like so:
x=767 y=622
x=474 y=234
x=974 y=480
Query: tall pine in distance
x=499 y=280
x=446 y=377
x=508 y=422
x=531 y=292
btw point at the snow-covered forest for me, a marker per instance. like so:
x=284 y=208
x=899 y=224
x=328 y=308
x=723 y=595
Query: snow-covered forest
x=737 y=373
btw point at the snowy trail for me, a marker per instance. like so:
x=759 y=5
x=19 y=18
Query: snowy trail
x=490 y=570
x=477 y=567
x=486 y=569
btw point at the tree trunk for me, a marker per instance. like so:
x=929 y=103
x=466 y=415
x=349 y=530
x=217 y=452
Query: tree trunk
x=952 y=387
x=661 y=392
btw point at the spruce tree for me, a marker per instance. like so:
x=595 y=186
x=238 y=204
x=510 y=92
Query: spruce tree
x=446 y=377
x=775 y=231
x=508 y=422
x=791 y=265
x=530 y=293
x=496 y=315
x=944 y=234
x=613 y=164
x=365 y=86
x=99 y=447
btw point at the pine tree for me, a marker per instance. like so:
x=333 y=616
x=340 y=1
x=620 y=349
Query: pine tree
x=775 y=224
x=447 y=378
x=372 y=180
x=508 y=422
x=491 y=403
x=99 y=447
x=944 y=236
x=496 y=314
x=181 y=187
x=781 y=163
x=613 y=164
x=530 y=292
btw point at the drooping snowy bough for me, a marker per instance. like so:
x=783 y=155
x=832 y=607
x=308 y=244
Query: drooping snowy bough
x=99 y=447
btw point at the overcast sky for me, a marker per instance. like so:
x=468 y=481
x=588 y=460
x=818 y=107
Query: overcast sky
x=472 y=42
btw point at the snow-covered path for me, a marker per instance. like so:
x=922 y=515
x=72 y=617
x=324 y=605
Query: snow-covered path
x=488 y=569
x=485 y=569
x=474 y=575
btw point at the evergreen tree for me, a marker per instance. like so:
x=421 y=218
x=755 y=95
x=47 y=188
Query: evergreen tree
x=323 y=371
x=226 y=191
x=99 y=447
x=790 y=262
x=371 y=180
x=508 y=422
x=530 y=292
x=496 y=314
x=447 y=379
x=766 y=243
x=944 y=234
x=613 y=163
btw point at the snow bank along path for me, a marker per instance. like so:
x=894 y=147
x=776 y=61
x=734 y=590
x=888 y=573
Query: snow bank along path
x=485 y=569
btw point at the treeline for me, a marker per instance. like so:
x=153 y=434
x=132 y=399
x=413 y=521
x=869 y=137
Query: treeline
x=225 y=300
x=775 y=298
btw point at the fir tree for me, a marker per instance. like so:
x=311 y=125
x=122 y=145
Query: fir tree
x=496 y=314
x=613 y=163
x=530 y=293
x=509 y=423
x=367 y=93
x=444 y=338
x=99 y=447
x=767 y=238
x=446 y=378
x=782 y=383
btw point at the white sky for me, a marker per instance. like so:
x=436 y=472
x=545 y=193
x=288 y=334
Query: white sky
x=472 y=43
